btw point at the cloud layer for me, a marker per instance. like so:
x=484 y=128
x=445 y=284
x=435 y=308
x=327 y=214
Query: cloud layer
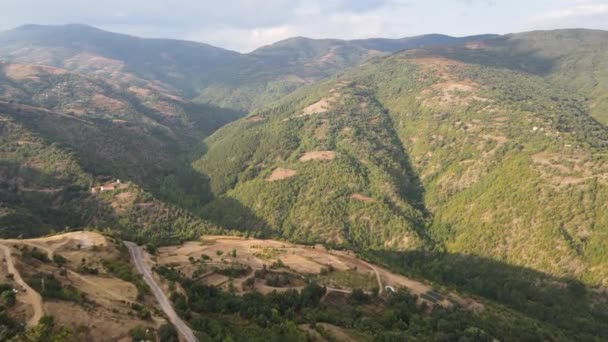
x=246 y=24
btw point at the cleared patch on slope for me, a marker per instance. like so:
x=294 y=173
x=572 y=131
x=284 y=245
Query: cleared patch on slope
x=280 y=173
x=321 y=106
x=30 y=71
x=318 y=155
x=362 y=198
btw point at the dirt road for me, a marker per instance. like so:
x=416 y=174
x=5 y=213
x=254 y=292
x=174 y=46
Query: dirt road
x=30 y=296
x=378 y=278
x=163 y=301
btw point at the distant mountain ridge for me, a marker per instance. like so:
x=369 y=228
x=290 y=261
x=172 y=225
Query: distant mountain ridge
x=196 y=70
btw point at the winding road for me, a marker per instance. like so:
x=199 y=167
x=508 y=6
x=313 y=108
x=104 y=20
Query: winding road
x=30 y=296
x=378 y=278
x=163 y=301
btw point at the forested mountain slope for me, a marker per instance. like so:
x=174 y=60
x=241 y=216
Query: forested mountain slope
x=424 y=150
x=76 y=133
x=572 y=58
x=478 y=163
x=125 y=131
x=195 y=70
x=44 y=187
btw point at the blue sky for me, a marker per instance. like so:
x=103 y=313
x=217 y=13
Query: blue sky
x=246 y=24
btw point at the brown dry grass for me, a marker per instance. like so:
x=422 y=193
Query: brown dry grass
x=101 y=324
x=255 y=118
x=111 y=318
x=317 y=155
x=164 y=107
x=280 y=173
x=30 y=71
x=140 y=92
x=318 y=107
x=362 y=198
x=84 y=61
x=105 y=103
x=303 y=260
x=122 y=201
x=321 y=106
x=562 y=169
x=448 y=90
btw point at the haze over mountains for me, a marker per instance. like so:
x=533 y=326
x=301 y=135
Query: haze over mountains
x=427 y=154
x=195 y=70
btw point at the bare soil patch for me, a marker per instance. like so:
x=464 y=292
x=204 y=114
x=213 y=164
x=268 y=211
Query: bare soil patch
x=100 y=324
x=105 y=103
x=361 y=198
x=280 y=173
x=299 y=260
x=318 y=155
x=318 y=107
x=500 y=141
x=321 y=106
x=85 y=60
x=123 y=200
x=434 y=63
x=140 y=92
x=255 y=118
x=164 y=107
x=453 y=92
x=562 y=169
x=111 y=296
x=30 y=71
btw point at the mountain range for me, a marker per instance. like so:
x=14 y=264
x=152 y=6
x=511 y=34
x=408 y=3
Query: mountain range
x=489 y=146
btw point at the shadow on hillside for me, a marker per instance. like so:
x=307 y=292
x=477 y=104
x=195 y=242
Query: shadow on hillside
x=35 y=202
x=505 y=53
x=563 y=302
x=410 y=187
x=231 y=214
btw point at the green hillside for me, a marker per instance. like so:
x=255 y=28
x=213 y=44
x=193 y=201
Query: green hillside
x=574 y=59
x=477 y=163
x=64 y=133
x=127 y=131
x=45 y=188
x=339 y=176
x=480 y=160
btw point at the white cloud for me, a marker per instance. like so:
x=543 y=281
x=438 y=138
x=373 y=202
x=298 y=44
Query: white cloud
x=242 y=39
x=580 y=10
x=246 y=24
x=574 y=13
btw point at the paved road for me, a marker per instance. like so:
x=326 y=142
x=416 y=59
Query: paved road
x=30 y=296
x=163 y=301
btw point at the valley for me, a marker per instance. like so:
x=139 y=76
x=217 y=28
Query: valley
x=423 y=188
x=84 y=292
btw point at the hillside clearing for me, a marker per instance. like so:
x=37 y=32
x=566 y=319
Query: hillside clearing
x=340 y=271
x=318 y=155
x=280 y=173
x=361 y=198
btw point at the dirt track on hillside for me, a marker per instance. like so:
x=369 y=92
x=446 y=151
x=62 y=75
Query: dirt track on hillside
x=30 y=296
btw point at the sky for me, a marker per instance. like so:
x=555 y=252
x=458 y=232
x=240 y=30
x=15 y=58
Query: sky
x=244 y=25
